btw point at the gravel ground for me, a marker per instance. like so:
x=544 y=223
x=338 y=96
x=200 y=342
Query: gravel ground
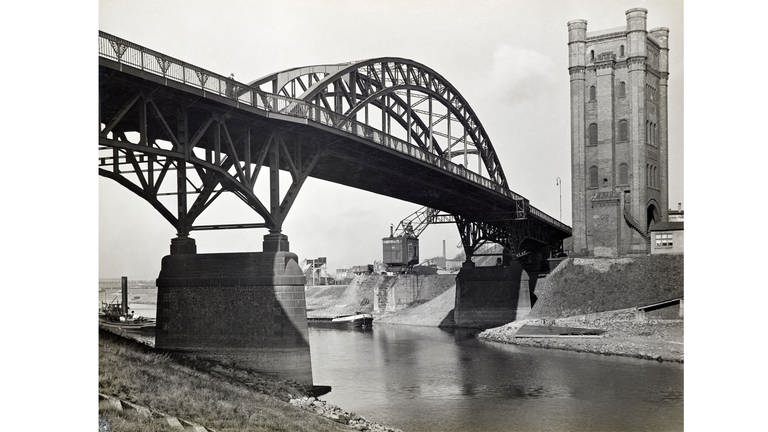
x=338 y=415
x=660 y=340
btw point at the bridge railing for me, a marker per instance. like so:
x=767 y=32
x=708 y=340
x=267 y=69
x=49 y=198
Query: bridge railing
x=145 y=59
x=547 y=218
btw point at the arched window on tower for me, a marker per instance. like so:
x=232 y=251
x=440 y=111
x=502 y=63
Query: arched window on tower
x=593 y=176
x=592 y=93
x=621 y=51
x=592 y=55
x=622 y=89
x=623 y=173
x=593 y=134
x=651 y=181
x=623 y=130
x=655 y=177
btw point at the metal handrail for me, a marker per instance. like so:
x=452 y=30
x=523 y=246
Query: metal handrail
x=148 y=60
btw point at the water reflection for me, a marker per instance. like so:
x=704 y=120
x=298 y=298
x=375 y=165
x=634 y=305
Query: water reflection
x=427 y=379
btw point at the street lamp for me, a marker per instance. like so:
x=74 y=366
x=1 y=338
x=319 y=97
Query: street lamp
x=560 y=192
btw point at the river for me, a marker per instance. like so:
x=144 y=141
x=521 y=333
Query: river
x=427 y=379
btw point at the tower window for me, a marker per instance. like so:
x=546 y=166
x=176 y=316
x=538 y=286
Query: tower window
x=647 y=175
x=621 y=51
x=593 y=134
x=593 y=176
x=623 y=173
x=592 y=55
x=623 y=130
x=622 y=89
x=592 y=93
x=647 y=132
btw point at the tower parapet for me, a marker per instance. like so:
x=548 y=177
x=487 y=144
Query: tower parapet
x=636 y=32
x=661 y=36
x=577 y=42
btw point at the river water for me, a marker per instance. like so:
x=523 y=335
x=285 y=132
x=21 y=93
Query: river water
x=427 y=379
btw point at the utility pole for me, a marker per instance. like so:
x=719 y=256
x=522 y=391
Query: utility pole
x=560 y=191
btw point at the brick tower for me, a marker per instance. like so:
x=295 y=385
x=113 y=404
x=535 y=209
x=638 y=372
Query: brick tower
x=618 y=135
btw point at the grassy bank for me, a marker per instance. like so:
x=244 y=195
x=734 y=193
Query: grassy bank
x=212 y=394
x=581 y=286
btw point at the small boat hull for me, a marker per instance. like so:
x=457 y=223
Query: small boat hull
x=143 y=326
x=357 y=321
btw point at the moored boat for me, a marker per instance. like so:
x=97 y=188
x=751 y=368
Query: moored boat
x=114 y=316
x=357 y=320
x=117 y=316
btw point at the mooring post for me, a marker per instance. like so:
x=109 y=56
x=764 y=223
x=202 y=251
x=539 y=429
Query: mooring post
x=124 y=295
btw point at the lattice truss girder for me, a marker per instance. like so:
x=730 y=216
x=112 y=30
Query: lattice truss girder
x=211 y=153
x=519 y=237
x=429 y=110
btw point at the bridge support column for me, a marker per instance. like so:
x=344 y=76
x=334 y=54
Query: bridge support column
x=245 y=308
x=275 y=242
x=183 y=245
x=491 y=296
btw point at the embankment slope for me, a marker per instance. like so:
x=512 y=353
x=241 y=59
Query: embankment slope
x=436 y=312
x=581 y=286
x=334 y=300
x=394 y=294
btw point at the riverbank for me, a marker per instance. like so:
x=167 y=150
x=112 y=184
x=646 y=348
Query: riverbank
x=625 y=335
x=605 y=294
x=211 y=394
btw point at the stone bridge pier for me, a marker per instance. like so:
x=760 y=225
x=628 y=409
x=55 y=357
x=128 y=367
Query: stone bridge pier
x=245 y=308
x=491 y=296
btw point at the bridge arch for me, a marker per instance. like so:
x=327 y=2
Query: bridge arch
x=282 y=82
x=377 y=81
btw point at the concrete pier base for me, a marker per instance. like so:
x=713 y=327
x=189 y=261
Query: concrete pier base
x=491 y=296
x=247 y=308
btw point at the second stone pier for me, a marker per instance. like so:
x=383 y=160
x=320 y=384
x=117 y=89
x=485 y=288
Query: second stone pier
x=491 y=296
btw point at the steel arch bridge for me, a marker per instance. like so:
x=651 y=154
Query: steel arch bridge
x=388 y=125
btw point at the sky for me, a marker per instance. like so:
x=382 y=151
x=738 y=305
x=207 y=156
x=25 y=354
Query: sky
x=508 y=59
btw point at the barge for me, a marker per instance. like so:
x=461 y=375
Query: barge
x=363 y=321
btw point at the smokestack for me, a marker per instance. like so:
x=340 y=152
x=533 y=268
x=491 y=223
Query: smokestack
x=443 y=249
x=124 y=292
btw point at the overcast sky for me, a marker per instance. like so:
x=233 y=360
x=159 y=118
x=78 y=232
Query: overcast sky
x=509 y=60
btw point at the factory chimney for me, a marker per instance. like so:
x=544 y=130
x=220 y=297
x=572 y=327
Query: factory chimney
x=444 y=249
